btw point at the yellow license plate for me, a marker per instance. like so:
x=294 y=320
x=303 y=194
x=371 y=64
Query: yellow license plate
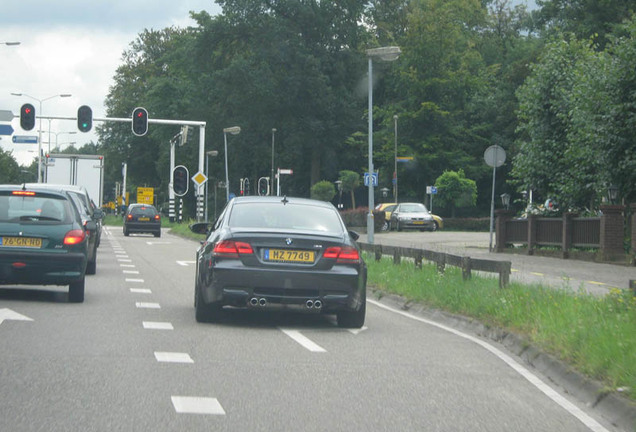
x=144 y=219
x=28 y=242
x=418 y=222
x=289 y=255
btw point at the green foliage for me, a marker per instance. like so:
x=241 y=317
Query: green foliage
x=455 y=190
x=323 y=190
x=350 y=182
x=9 y=168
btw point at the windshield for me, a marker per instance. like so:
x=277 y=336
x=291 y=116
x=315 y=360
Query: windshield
x=289 y=216
x=413 y=208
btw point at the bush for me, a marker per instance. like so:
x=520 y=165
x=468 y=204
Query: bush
x=467 y=224
x=358 y=218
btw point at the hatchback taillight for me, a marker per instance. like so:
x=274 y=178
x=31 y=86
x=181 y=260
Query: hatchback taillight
x=232 y=249
x=74 y=237
x=129 y=217
x=343 y=255
x=157 y=217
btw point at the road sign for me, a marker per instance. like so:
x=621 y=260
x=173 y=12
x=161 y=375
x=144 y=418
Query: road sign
x=199 y=178
x=495 y=156
x=366 y=179
x=404 y=158
x=145 y=195
x=24 y=139
x=431 y=190
x=285 y=171
x=6 y=129
x=6 y=115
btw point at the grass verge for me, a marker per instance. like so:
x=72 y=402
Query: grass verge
x=596 y=336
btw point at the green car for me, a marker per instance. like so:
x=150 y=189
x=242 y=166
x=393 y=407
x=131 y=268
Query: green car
x=42 y=239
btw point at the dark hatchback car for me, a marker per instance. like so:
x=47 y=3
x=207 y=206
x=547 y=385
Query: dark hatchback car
x=142 y=218
x=277 y=253
x=42 y=239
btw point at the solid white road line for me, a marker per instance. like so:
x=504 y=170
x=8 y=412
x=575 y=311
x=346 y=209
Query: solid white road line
x=197 y=405
x=152 y=325
x=303 y=340
x=533 y=379
x=173 y=357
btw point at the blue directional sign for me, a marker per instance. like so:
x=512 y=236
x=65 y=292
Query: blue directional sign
x=366 y=179
x=24 y=139
x=6 y=129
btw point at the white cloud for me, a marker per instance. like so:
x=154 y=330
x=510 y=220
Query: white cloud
x=74 y=47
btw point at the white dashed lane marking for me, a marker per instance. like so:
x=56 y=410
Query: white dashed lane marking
x=303 y=340
x=153 y=325
x=144 y=305
x=173 y=357
x=140 y=291
x=134 y=280
x=197 y=405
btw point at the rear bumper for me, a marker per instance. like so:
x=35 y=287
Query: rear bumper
x=41 y=268
x=143 y=227
x=340 y=288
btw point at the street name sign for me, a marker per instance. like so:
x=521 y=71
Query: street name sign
x=24 y=139
x=6 y=115
x=6 y=129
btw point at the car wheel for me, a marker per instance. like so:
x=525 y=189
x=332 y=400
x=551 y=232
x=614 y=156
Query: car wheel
x=204 y=313
x=158 y=234
x=352 y=319
x=435 y=226
x=385 y=226
x=91 y=267
x=399 y=228
x=126 y=232
x=76 y=292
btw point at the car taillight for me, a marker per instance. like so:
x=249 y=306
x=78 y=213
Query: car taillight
x=23 y=193
x=343 y=255
x=232 y=249
x=129 y=217
x=74 y=237
x=157 y=217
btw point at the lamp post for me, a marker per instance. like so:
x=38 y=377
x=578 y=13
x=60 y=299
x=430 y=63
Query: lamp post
x=57 y=134
x=612 y=191
x=395 y=187
x=272 y=177
x=505 y=200
x=212 y=153
x=390 y=53
x=234 y=130
x=64 y=95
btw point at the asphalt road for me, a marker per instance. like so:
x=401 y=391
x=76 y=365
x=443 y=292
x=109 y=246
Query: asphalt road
x=133 y=358
x=568 y=274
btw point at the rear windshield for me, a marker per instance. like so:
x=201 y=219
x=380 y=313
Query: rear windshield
x=34 y=207
x=143 y=211
x=289 y=216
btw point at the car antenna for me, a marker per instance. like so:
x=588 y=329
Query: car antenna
x=23 y=186
x=285 y=200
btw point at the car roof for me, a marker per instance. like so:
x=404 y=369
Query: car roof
x=284 y=199
x=74 y=188
x=36 y=187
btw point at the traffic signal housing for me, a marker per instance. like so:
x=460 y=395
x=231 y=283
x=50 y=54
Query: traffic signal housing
x=180 y=180
x=140 y=121
x=27 y=117
x=84 y=118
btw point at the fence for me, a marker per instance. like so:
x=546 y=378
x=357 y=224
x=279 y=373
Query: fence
x=442 y=259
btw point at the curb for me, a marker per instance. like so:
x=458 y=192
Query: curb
x=612 y=407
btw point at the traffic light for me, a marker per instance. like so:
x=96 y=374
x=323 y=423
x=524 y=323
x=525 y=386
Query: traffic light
x=246 y=186
x=180 y=180
x=186 y=135
x=84 y=118
x=140 y=121
x=263 y=186
x=27 y=117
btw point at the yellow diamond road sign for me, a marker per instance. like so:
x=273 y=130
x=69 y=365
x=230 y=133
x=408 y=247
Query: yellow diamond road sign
x=199 y=178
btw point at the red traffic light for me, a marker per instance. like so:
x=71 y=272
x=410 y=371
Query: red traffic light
x=140 y=121
x=27 y=117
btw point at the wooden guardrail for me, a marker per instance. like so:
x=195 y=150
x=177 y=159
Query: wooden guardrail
x=442 y=259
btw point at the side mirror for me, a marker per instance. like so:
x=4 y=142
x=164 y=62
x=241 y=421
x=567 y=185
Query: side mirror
x=354 y=235
x=98 y=213
x=201 y=228
x=91 y=225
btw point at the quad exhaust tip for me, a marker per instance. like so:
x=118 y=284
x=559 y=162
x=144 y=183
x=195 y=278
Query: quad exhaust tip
x=258 y=302
x=313 y=304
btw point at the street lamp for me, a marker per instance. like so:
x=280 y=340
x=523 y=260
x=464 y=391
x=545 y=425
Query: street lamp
x=64 y=95
x=272 y=177
x=212 y=153
x=234 y=130
x=612 y=191
x=505 y=200
x=57 y=134
x=390 y=53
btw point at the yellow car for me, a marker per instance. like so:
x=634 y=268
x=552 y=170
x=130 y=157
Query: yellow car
x=388 y=209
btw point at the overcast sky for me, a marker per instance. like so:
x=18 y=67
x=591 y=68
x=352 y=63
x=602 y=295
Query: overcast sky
x=73 y=46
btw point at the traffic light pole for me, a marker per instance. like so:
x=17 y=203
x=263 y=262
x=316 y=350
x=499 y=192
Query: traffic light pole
x=200 y=124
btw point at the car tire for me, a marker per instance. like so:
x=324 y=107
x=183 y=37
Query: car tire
x=435 y=226
x=76 y=292
x=158 y=234
x=91 y=267
x=204 y=313
x=126 y=233
x=352 y=319
x=386 y=226
x=398 y=227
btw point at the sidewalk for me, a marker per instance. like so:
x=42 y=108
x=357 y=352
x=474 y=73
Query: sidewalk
x=594 y=278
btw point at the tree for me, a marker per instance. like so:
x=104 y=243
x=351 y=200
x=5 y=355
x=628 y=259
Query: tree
x=323 y=190
x=9 y=168
x=350 y=182
x=455 y=190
